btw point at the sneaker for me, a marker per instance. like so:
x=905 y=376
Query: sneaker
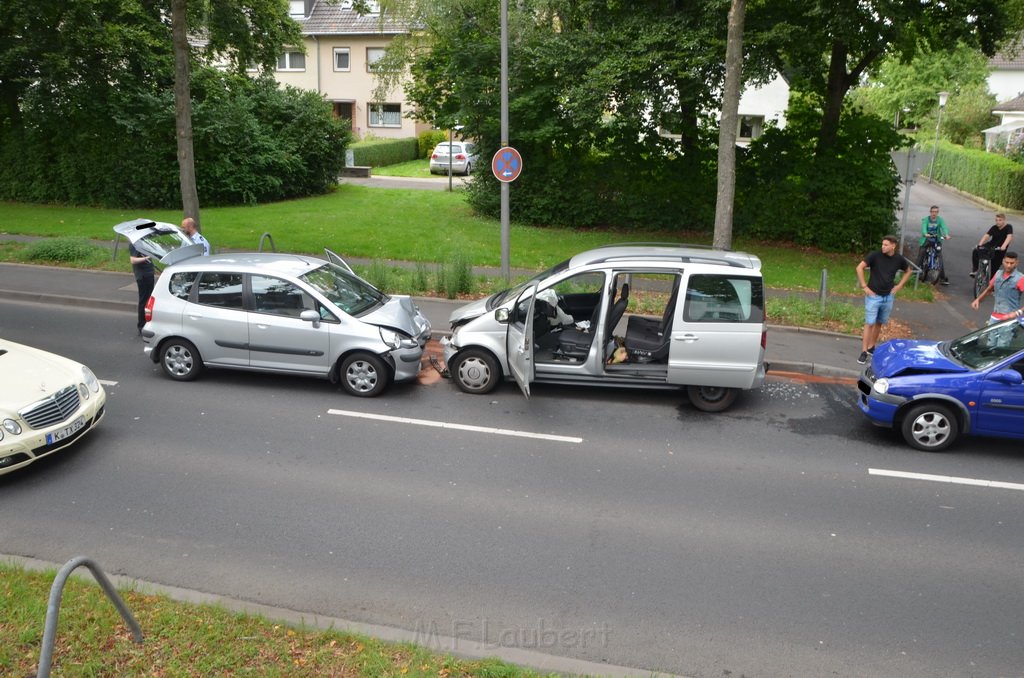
x=871 y=351
x=974 y=273
x=863 y=358
x=943 y=282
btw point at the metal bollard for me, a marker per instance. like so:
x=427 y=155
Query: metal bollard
x=823 y=290
x=53 y=609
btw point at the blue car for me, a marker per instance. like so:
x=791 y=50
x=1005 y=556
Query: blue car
x=933 y=392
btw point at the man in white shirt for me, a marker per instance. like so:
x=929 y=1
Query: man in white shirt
x=192 y=231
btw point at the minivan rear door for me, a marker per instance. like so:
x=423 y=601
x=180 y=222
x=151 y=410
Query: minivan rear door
x=716 y=336
x=519 y=339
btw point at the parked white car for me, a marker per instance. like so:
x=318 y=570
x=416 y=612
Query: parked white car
x=458 y=157
x=577 y=323
x=47 y=402
x=276 y=313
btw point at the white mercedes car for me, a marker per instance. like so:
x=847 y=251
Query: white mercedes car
x=47 y=402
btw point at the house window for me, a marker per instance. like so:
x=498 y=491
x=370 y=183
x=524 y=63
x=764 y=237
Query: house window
x=341 y=59
x=751 y=126
x=297 y=9
x=373 y=55
x=291 y=61
x=385 y=115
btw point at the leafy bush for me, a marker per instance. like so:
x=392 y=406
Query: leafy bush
x=429 y=140
x=253 y=142
x=383 y=152
x=455 y=276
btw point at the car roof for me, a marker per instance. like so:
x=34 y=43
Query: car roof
x=668 y=253
x=253 y=262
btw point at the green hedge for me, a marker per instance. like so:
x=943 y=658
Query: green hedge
x=429 y=140
x=990 y=176
x=383 y=152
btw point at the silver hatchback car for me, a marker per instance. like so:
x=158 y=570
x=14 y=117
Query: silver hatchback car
x=279 y=313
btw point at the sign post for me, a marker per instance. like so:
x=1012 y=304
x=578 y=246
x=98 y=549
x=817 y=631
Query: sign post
x=909 y=164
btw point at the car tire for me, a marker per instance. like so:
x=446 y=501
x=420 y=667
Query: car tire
x=180 y=359
x=931 y=427
x=475 y=371
x=363 y=375
x=712 y=398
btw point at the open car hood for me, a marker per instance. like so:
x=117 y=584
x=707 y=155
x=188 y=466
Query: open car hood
x=161 y=241
x=911 y=355
x=401 y=314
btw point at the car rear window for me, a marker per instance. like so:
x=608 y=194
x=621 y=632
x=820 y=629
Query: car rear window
x=720 y=298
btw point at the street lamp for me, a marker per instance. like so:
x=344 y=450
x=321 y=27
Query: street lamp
x=938 y=123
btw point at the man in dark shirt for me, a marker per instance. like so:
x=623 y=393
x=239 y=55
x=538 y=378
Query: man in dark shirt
x=998 y=237
x=880 y=290
x=142 y=267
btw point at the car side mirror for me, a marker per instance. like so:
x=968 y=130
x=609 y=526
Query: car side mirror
x=310 y=317
x=501 y=315
x=1008 y=377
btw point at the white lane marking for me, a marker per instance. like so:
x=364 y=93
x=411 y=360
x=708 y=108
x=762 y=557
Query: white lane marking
x=107 y=382
x=459 y=427
x=998 y=484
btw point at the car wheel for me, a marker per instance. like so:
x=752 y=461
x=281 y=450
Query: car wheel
x=712 y=398
x=475 y=371
x=930 y=427
x=180 y=360
x=364 y=375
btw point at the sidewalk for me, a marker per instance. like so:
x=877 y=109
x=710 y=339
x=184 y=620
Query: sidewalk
x=793 y=350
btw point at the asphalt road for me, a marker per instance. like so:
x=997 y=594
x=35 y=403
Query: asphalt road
x=638 y=532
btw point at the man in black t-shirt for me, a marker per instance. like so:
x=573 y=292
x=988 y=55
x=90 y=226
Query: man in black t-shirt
x=880 y=290
x=142 y=267
x=999 y=237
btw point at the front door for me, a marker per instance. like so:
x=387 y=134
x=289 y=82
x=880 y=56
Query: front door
x=519 y=339
x=278 y=338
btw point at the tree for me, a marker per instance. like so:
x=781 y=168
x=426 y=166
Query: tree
x=853 y=37
x=727 y=127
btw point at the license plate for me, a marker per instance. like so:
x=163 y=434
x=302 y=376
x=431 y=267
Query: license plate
x=69 y=430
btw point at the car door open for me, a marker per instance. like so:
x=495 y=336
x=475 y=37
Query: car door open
x=519 y=339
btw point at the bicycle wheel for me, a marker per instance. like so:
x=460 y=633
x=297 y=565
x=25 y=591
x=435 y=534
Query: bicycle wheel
x=982 y=277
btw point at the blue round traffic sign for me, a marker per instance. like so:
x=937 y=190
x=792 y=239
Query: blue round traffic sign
x=506 y=164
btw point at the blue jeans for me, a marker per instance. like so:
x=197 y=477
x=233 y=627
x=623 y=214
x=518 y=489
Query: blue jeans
x=877 y=309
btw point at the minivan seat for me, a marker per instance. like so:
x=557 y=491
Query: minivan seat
x=648 y=340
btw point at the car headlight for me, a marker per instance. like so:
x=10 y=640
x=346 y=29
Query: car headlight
x=90 y=379
x=397 y=339
x=881 y=386
x=11 y=426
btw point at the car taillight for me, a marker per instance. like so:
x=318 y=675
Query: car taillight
x=764 y=338
x=149 y=309
x=460 y=156
x=433 y=156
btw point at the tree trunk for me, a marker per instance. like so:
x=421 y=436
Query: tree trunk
x=835 y=91
x=728 y=126
x=183 y=112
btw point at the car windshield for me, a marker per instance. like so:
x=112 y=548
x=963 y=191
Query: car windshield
x=499 y=298
x=352 y=295
x=989 y=345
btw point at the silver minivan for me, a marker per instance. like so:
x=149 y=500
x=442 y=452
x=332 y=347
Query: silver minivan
x=634 y=316
x=270 y=312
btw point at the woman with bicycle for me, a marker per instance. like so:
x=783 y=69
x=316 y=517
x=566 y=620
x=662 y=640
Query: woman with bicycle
x=1007 y=286
x=998 y=238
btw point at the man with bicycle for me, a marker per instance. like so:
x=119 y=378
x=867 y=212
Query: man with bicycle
x=998 y=237
x=1007 y=286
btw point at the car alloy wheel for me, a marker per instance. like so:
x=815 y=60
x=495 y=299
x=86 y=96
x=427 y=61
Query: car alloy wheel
x=930 y=427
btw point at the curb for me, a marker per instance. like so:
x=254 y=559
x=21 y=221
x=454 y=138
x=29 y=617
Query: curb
x=65 y=300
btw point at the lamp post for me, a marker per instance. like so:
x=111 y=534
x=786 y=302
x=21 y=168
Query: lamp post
x=938 y=123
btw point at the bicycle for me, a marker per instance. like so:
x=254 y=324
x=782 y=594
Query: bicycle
x=931 y=262
x=984 y=272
